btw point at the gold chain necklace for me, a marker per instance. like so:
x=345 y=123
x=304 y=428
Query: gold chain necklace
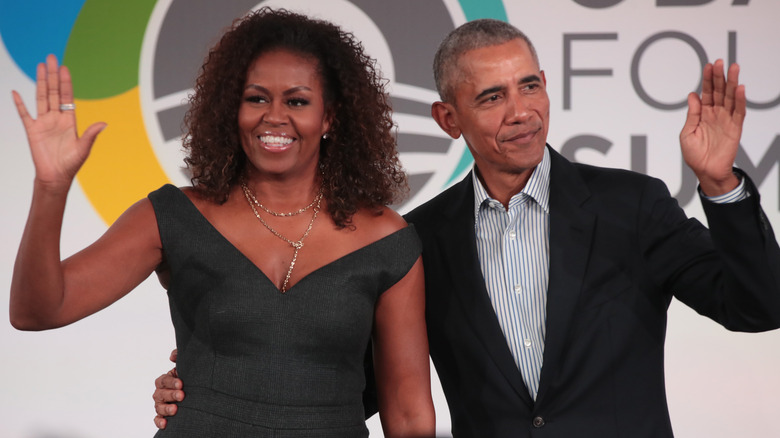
x=250 y=198
x=265 y=209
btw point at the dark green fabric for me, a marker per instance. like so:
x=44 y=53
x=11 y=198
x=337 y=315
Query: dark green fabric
x=278 y=364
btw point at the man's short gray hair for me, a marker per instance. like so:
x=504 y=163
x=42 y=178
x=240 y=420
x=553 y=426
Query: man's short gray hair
x=469 y=36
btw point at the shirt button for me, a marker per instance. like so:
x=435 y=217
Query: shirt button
x=527 y=343
x=512 y=234
x=538 y=422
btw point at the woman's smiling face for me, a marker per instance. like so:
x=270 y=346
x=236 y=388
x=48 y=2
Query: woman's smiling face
x=283 y=115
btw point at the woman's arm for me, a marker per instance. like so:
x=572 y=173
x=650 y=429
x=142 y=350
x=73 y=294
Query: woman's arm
x=48 y=293
x=401 y=359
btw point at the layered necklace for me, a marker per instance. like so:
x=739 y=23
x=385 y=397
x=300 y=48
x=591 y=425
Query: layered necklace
x=254 y=203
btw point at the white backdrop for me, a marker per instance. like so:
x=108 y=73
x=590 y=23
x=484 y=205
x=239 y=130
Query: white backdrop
x=95 y=377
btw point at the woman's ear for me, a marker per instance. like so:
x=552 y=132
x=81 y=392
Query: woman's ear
x=327 y=122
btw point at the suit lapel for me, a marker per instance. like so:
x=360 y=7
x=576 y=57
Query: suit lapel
x=571 y=231
x=457 y=238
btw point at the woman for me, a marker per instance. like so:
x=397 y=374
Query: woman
x=280 y=262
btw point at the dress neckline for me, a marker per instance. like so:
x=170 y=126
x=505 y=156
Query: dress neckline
x=314 y=272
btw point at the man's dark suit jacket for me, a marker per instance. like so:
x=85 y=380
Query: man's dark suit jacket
x=620 y=248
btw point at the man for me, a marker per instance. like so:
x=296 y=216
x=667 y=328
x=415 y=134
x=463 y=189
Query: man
x=548 y=282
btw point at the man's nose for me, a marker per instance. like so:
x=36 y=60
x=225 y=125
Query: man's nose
x=516 y=109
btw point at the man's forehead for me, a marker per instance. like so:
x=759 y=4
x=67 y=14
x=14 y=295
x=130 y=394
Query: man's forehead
x=514 y=51
x=507 y=61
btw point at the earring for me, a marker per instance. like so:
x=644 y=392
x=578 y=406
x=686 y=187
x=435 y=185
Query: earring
x=325 y=136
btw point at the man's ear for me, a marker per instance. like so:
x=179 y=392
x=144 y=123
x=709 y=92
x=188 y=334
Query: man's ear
x=444 y=114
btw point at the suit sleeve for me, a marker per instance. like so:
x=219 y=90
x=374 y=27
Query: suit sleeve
x=729 y=273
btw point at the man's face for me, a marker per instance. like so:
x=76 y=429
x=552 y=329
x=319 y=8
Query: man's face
x=501 y=108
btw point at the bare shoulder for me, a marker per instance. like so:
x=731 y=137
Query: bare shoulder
x=374 y=225
x=138 y=221
x=141 y=210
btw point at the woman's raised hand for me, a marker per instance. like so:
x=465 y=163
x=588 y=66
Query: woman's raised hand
x=57 y=150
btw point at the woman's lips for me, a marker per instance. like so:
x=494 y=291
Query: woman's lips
x=275 y=142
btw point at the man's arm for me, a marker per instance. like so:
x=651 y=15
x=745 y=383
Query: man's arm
x=739 y=287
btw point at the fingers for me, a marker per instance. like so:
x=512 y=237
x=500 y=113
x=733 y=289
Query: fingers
x=21 y=109
x=168 y=381
x=694 y=115
x=90 y=134
x=167 y=391
x=706 y=85
x=164 y=401
x=41 y=90
x=732 y=83
x=718 y=83
x=66 y=86
x=52 y=83
x=53 y=86
x=160 y=422
x=174 y=354
x=723 y=89
x=740 y=105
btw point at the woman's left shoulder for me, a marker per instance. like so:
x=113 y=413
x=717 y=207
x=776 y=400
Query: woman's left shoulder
x=377 y=224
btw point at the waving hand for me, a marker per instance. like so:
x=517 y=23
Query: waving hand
x=712 y=130
x=57 y=150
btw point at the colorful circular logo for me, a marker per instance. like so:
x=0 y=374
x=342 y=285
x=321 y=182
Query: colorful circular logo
x=134 y=64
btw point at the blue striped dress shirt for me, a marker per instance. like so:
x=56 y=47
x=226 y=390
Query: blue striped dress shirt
x=513 y=246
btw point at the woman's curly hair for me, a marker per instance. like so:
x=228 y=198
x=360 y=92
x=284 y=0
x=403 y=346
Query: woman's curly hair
x=359 y=160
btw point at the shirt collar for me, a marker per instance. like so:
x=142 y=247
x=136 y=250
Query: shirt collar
x=537 y=188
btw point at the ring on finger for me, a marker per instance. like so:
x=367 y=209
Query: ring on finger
x=67 y=106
